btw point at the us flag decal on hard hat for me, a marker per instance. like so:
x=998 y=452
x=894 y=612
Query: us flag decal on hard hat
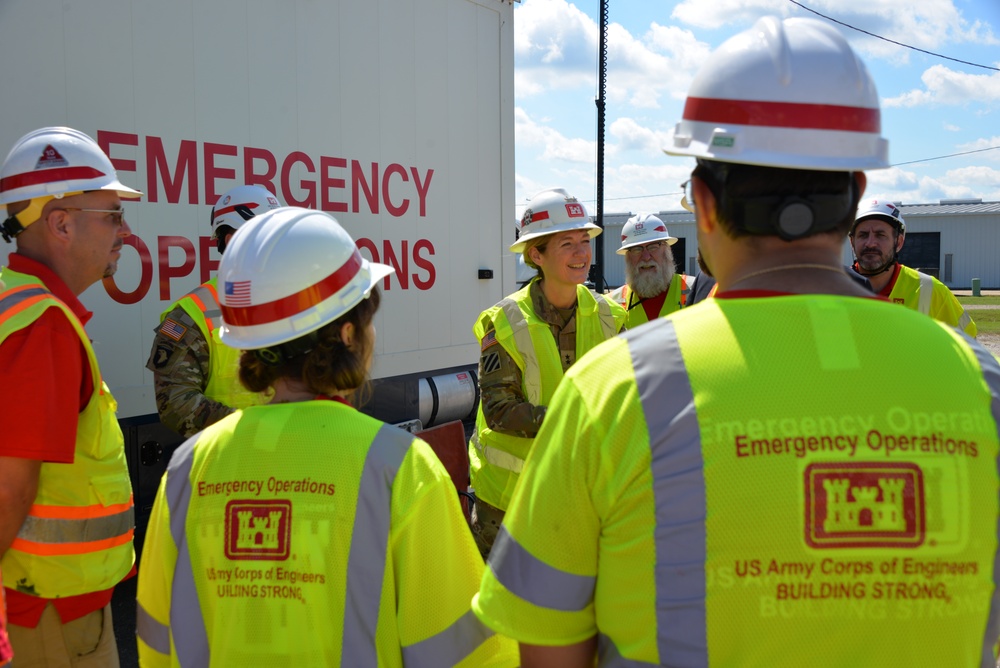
x=237 y=293
x=864 y=504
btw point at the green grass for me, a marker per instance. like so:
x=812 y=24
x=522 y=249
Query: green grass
x=987 y=320
x=991 y=300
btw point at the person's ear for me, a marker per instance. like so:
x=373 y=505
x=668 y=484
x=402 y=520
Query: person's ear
x=347 y=334
x=535 y=255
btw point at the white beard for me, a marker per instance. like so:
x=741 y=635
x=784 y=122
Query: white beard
x=647 y=283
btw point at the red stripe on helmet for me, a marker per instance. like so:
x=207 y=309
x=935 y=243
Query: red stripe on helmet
x=48 y=176
x=783 y=114
x=539 y=215
x=232 y=207
x=286 y=307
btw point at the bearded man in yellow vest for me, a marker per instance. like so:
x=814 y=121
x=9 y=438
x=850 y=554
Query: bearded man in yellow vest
x=652 y=287
x=66 y=514
x=194 y=372
x=527 y=342
x=708 y=490
x=877 y=236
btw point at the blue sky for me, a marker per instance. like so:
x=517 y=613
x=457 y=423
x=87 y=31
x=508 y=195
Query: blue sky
x=931 y=106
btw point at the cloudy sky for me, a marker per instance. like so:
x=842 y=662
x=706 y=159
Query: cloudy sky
x=932 y=105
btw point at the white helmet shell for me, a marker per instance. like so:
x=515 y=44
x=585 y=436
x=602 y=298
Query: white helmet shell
x=287 y=273
x=240 y=204
x=641 y=229
x=787 y=94
x=55 y=162
x=549 y=212
x=883 y=209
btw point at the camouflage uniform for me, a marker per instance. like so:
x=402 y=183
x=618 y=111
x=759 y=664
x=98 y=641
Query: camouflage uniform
x=504 y=405
x=180 y=369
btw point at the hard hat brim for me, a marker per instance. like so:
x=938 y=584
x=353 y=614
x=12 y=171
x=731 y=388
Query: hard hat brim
x=519 y=245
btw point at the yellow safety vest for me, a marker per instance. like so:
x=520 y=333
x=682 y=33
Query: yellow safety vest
x=496 y=458
x=309 y=534
x=224 y=386
x=924 y=293
x=675 y=300
x=705 y=492
x=77 y=537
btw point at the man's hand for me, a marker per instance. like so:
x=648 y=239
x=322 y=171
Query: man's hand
x=18 y=487
x=580 y=655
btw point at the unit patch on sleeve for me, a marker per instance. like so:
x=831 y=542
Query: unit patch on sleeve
x=491 y=363
x=173 y=329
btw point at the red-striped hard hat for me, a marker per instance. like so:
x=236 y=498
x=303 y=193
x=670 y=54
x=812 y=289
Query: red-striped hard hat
x=787 y=94
x=549 y=212
x=641 y=229
x=240 y=204
x=55 y=162
x=287 y=273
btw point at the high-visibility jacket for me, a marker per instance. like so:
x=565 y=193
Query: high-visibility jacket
x=496 y=458
x=224 y=386
x=77 y=537
x=674 y=301
x=712 y=490
x=309 y=534
x=930 y=296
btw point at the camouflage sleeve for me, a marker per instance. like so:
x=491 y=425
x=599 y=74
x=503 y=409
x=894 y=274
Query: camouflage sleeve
x=179 y=360
x=504 y=405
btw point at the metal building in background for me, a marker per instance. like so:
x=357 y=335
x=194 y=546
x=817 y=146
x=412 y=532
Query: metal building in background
x=954 y=240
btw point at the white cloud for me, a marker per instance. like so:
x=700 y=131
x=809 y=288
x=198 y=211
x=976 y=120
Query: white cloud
x=950 y=128
x=945 y=86
x=981 y=144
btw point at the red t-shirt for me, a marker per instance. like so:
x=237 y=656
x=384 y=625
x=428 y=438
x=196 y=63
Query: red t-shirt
x=653 y=305
x=48 y=365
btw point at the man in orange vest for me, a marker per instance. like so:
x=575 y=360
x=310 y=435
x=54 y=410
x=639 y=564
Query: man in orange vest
x=66 y=515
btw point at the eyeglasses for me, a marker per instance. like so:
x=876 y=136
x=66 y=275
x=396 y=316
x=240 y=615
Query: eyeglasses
x=117 y=215
x=688 y=189
x=652 y=247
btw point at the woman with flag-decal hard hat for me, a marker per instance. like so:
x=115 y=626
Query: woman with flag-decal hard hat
x=527 y=341
x=344 y=533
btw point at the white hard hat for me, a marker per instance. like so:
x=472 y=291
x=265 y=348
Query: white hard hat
x=882 y=209
x=53 y=162
x=240 y=204
x=789 y=94
x=549 y=212
x=287 y=273
x=641 y=229
x=56 y=162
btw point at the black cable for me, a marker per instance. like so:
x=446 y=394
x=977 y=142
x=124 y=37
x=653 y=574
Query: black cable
x=886 y=39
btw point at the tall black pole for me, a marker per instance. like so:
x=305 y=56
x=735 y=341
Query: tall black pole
x=602 y=79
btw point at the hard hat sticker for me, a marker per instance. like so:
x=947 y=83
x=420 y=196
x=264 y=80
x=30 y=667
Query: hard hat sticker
x=51 y=158
x=862 y=504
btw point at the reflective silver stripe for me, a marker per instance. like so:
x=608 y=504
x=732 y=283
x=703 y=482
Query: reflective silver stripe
x=186 y=620
x=678 y=492
x=607 y=318
x=991 y=374
x=964 y=320
x=531 y=375
x=150 y=631
x=212 y=311
x=925 y=294
x=450 y=646
x=12 y=300
x=533 y=580
x=495 y=456
x=369 y=544
x=47 y=530
x=608 y=656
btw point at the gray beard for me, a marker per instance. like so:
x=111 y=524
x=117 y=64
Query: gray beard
x=650 y=284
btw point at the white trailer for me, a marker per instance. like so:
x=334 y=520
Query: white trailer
x=396 y=116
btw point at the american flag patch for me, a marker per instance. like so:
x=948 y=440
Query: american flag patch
x=489 y=339
x=173 y=329
x=237 y=293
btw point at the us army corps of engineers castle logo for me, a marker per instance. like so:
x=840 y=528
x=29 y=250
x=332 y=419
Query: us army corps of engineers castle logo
x=864 y=504
x=258 y=529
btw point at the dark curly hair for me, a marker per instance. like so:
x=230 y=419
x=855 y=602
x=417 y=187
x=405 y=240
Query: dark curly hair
x=320 y=359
